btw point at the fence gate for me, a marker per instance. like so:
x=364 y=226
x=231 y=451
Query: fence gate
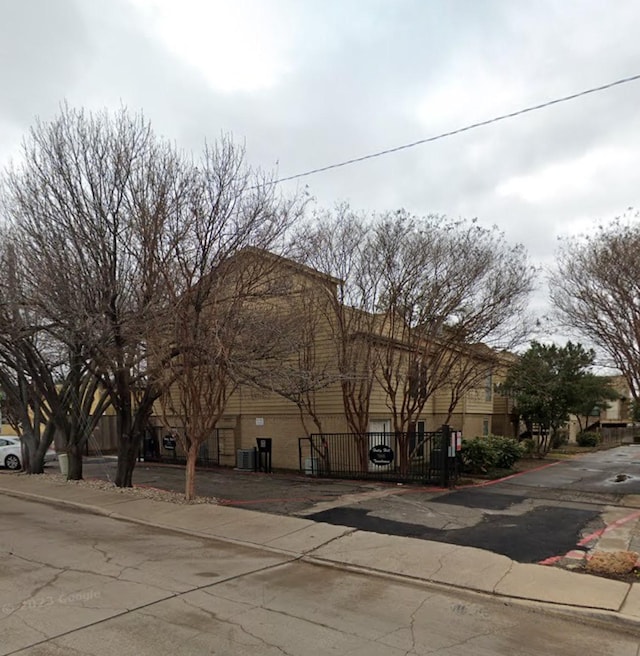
x=413 y=457
x=165 y=448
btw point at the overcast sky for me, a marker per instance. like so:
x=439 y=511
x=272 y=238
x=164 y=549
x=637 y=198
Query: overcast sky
x=308 y=83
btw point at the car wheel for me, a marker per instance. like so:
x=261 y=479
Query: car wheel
x=12 y=462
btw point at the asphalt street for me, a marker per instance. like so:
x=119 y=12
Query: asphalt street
x=101 y=586
x=530 y=517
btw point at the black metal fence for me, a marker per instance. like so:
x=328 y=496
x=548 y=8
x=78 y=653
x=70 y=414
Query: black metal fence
x=167 y=449
x=412 y=457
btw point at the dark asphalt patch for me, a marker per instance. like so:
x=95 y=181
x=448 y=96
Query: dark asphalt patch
x=480 y=499
x=529 y=538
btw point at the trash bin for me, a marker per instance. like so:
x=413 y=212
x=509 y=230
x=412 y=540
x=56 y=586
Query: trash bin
x=311 y=466
x=63 y=461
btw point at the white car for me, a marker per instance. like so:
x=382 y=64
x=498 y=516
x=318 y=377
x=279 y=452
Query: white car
x=11 y=452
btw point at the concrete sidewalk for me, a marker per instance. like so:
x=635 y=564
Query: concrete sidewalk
x=341 y=547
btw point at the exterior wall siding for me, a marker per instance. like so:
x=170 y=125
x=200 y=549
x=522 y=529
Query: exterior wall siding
x=284 y=430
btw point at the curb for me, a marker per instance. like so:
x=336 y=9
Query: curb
x=583 y=614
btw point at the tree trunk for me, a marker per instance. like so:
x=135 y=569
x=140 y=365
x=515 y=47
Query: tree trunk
x=131 y=435
x=75 y=462
x=190 y=473
x=37 y=463
x=362 y=441
x=128 y=447
x=29 y=447
x=402 y=444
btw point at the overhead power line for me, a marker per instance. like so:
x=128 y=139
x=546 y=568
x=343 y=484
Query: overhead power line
x=466 y=128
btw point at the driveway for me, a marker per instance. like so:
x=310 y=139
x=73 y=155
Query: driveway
x=532 y=517
x=536 y=516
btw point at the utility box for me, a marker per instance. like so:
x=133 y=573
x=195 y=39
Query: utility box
x=246 y=459
x=264 y=447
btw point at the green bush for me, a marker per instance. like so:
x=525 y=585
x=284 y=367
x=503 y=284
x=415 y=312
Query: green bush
x=507 y=451
x=477 y=455
x=588 y=439
x=482 y=454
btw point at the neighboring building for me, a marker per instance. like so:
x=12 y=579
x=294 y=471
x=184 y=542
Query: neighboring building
x=616 y=414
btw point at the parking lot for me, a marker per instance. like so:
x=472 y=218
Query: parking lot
x=530 y=517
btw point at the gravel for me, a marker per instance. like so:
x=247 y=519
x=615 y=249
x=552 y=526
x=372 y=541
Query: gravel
x=136 y=491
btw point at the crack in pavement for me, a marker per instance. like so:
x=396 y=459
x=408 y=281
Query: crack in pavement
x=348 y=531
x=261 y=640
x=22 y=619
x=102 y=552
x=218 y=594
x=502 y=578
x=471 y=638
x=63 y=570
x=412 y=623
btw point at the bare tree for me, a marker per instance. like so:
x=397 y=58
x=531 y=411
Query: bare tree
x=475 y=366
x=412 y=302
x=334 y=243
x=88 y=205
x=29 y=364
x=219 y=288
x=443 y=286
x=596 y=291
x=50 y=389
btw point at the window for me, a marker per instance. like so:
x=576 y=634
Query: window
x=485 y=427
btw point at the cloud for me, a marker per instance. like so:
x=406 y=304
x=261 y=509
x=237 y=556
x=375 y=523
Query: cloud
x=43 y=50
x=309 y=84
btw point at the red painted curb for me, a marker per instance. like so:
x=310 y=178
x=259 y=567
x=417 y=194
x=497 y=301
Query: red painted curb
x=506 y=478
x=592 y=536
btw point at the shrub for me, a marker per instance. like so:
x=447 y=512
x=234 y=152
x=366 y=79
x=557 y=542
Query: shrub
x=588 y=439
x=507 y=451
x=477 y=455
x=481 y=454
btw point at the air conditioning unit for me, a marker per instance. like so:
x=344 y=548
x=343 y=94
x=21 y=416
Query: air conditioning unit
x=246 y=459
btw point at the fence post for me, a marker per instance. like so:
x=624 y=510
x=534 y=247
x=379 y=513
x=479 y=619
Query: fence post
x=300 y=454
x=446 y=441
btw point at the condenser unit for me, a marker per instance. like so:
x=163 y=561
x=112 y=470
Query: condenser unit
x=246 y=459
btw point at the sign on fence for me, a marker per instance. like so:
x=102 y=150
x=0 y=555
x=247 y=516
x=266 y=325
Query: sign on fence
x=381 y=454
